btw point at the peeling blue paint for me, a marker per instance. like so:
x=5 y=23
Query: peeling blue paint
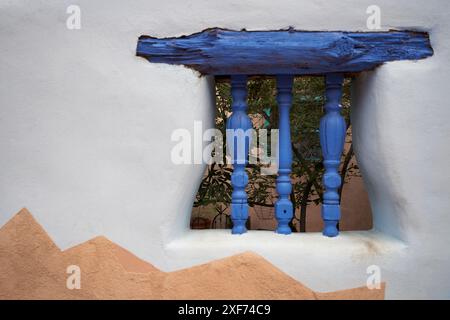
x=240 y=54
x=226 y=52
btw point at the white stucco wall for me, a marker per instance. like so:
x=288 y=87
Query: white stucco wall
x=85 y=137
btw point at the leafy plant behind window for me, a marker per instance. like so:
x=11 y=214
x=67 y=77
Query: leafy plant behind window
x=307 y=169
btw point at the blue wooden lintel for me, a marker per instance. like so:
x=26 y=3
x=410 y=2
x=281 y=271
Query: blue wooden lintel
x=225 y=52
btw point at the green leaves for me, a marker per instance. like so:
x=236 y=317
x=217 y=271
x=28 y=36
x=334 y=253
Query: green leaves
x=307 y=169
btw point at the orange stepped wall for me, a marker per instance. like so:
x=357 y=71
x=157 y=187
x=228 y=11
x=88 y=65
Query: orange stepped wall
x=33 y=267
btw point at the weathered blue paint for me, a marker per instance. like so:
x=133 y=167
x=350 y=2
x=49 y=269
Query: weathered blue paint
x=286 y=53
x=283 y=207
x=238 y=143
x=332 y=139
x=225 y=52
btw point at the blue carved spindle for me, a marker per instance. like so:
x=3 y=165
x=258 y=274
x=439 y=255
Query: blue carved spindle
x=238 y=141
x=283 y=207
x=332 y=138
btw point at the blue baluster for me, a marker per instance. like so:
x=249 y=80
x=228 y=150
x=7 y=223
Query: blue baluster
x=283 y=207
x=332 y=138
x=238 y=141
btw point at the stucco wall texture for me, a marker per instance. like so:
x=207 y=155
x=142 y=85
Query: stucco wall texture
x=33 y=267
x=85 y=131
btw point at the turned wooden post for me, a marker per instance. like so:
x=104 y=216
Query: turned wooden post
x=238 y=141
x=283 y=207
x=332 y=139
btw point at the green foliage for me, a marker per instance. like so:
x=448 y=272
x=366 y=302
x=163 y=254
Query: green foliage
x=307 y=168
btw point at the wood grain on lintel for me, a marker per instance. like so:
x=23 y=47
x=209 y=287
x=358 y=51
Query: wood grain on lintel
x=226 y=52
